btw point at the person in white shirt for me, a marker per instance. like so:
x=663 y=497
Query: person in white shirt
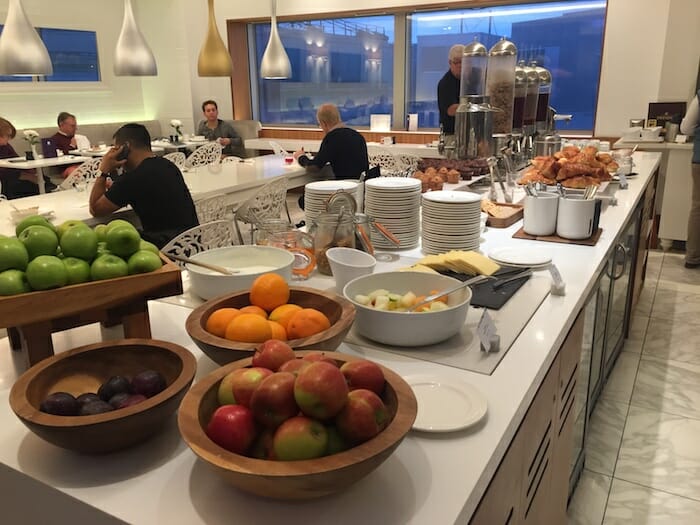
x=691 y=126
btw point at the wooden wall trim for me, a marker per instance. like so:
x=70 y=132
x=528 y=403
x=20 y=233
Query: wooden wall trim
x=240 y=78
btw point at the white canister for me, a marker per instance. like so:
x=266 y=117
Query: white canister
x=575 y=217
x=540 y=214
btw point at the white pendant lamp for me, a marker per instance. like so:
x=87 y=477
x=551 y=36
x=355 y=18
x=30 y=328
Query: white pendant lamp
x=21 y=50
x=214 y=59
x=132 y=56
x=275 y=62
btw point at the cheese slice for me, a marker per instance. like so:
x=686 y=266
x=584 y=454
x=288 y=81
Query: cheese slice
x=460 y=261
x=418 y=268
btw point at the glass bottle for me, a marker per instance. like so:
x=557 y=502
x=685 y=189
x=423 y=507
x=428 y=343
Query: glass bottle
x=332 y=229
x=500 y=83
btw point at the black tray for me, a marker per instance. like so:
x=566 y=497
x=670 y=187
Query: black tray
x=483 y=294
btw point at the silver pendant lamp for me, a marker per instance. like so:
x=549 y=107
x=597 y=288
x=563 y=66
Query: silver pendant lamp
x=214 y=59
x=132 y=56
x=21 y=50
x=275 y=62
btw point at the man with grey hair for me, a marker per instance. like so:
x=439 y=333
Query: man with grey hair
x=448 y=90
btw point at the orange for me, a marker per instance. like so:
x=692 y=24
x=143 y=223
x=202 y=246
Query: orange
x=248 y=328
x=278 y=331
x=269 y=291
x=219 y=320
x=306 y=322
x=442 y=298
x=256 y=310
x=282 y=314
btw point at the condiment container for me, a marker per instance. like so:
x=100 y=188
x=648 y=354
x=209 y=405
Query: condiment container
x=332 y=229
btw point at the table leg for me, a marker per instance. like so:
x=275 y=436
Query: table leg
x=36 y=341
x=14 y=338
x=136 y=321
x=40 y=182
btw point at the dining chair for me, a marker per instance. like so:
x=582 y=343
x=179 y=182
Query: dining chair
x=214 y=234
x=211 y=208
x=177 y=158
x=230 y=159
x=87 y=171
x=267 y=203
x=407 y=163
x=386 y=161
x=209 y=153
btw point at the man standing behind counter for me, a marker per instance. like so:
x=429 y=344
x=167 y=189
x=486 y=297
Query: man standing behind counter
x=448 y=90
x=153 y=186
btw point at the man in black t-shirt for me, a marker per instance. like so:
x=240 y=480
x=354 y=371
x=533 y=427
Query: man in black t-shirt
x=343 y=148
x=448 y=89
x=153 y=186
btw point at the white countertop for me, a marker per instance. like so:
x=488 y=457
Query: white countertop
x=292 y=145
x=647 y=145
x=431 y=478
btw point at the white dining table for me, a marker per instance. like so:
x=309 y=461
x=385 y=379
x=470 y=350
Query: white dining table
x=100 y=152
x=20 y=163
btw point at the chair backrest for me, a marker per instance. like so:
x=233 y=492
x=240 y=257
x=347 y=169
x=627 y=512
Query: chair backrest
x=214 y=234
x=177 y=158
x=385 y=160
x=230 y=159
x=88 y=170
x=211 y=208
x=407 y=163
x=277 y=148
x=268 y=202
x=209 y=153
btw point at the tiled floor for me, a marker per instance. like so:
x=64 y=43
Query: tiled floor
x=643 y=453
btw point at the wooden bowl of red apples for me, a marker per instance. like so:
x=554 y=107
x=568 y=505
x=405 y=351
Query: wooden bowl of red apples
x=105 y=396
x=296 y=425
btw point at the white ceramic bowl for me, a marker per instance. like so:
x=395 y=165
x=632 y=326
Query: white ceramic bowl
x=408 y=328
x=348 y=264
x=252 y=261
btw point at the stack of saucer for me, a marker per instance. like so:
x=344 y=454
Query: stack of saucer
x=316 y=195
x=451 y=221
x=394 y=202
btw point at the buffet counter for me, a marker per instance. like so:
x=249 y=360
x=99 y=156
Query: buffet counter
x=430 y=478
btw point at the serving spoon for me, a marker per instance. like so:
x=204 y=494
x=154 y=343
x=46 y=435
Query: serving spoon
x=474 y=280
x=212 y=267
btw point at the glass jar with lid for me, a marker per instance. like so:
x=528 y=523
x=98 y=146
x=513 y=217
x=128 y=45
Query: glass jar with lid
x=531 y=95
x=519 y=98
x=500 y=83
x=474 y=63
x=545 y=91
x=332 y=229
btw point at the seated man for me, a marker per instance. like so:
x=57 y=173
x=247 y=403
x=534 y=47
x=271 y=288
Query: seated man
x=66 y=139
x=343 y=148
x=152 y=185
x=16 y=183
x=213 y=128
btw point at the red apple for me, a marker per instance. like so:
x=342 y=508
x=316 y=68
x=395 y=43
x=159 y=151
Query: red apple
x=363 y=417
x=273 y=401
x=272 y=354
x=364 y=374
x=300 y=438
x=319 y=356
x=262 y=446
x=232 y=427
x=294 y=366
x=320 y=390
x=243 y=384
x=336 y=442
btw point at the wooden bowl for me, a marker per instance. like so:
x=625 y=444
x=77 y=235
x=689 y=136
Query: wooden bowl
x=82 y=370
x=339 y=311
x=294 y=480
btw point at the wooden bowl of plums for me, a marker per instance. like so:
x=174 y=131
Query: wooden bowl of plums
x=296 y=425
x=105 y=396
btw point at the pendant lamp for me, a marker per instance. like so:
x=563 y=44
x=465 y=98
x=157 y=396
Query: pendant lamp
x=132 y=56
x=214 y=59
x=275 y=62
x=21 y=50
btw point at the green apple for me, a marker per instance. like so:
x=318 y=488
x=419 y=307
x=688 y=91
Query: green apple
x=79 y=241
x=13 y=254
x=38 y=240
x=143 y=261
x=102 y=248
x=45 y=272
x=31 y=221
x=108 y=266
x=224 y=394
x=123 y=240
x=145 y=245
x=13 y=282
x=101 y=231
x=119 y=222
x=78 y=270
x=67 y=225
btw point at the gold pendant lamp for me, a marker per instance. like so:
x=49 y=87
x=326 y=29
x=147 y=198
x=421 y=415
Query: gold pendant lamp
x=132 y=56
x=214 y=59
x=21 y=50
x=275 y=62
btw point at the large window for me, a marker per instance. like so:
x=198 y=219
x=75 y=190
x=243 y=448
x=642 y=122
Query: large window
x=73 y=55
x=345 y=61
x=564 y=37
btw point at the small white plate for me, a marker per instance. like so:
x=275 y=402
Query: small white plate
x=445 y=405
x=513 y=256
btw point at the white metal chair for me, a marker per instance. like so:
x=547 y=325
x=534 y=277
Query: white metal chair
x=230 y=159
x=87 y=171
x=178 y=158
x=388 y=165
x=211 y=208
x=267 y=203
x=277 y=148
x=207 y=154
x=407 y=163
x=214 y=234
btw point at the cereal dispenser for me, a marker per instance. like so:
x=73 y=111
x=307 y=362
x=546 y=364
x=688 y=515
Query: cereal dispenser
x=500 y=83
x=474 y=62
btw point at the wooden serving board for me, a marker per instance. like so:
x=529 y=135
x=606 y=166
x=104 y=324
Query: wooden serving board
x=504 y=222
x=591 y=241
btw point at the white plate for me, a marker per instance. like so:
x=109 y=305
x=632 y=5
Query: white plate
x=394 y=183
x=520 y=256
x=446 y=405
x=450 y=197
x=324 y=186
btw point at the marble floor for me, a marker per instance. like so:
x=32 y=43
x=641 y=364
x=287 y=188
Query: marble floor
x=643 y=458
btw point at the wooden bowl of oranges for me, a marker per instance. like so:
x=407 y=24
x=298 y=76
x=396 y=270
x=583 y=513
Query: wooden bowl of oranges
x=229 y=327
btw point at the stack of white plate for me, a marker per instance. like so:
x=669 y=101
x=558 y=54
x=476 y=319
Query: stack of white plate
x=316 y=195
x=451 y=221
x=395 y=203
